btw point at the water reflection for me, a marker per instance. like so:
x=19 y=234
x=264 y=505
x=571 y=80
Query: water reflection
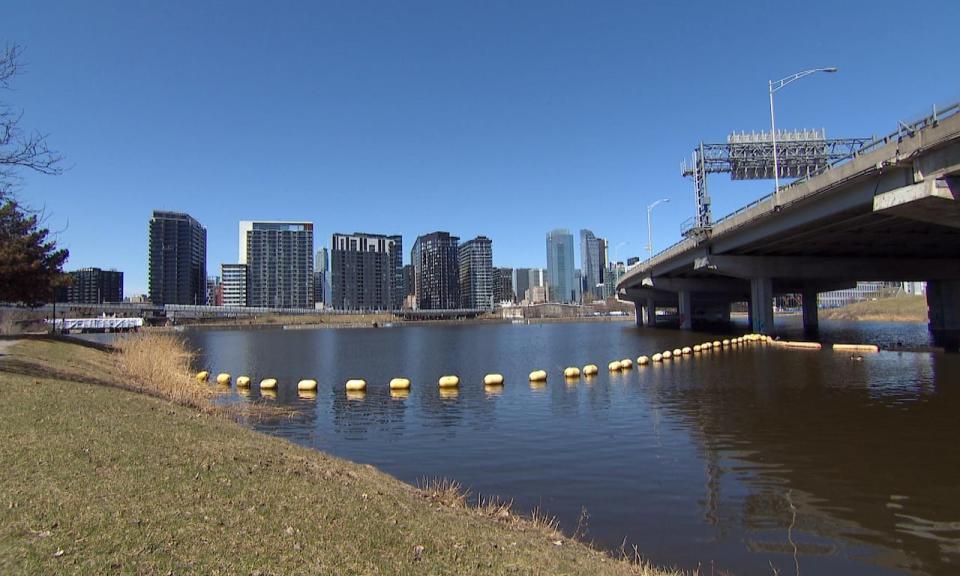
x=745 y=457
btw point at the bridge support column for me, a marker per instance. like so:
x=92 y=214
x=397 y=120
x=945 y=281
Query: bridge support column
x=943 y=303
x=685 y=310
x=811 y=319
x=649 y=313
x=761 y=305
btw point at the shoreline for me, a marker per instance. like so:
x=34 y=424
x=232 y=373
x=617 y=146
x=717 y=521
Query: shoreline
x=195 y=491
x=391 y=323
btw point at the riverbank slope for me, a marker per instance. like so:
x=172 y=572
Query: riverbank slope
x=906 y=308
x=98 y=479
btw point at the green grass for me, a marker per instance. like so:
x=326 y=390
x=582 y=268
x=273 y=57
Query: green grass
x=893 y=309
x=98 y=479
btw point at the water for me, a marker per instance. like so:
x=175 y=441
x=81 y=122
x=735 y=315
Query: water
x=740 y=459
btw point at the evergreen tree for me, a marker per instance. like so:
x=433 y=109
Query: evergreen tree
x=30 y=263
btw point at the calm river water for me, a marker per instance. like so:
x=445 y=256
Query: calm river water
x=746 y=459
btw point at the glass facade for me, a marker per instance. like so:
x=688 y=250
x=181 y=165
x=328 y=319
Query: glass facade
x=560 y=267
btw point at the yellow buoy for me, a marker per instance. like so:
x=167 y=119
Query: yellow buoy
x=571 y=372
x=449 y=381
x=356 y=385
x=268 y=384
x=677 y=352
x=307 y=385
x=726 y=342
x=716 y=343
x=538 y=375
x=706 y=346
x=590 y=370
x=243 y=382
x=400 y=384
x=666 y=354
x=614 y=366
x=493 y=380
x=696 y=348
x=223 y=378
x=626 y=364
x=657 y=357
x=686 y=350
x=642 y=361
x=203 y=376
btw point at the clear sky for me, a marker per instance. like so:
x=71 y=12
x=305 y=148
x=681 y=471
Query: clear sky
x=501 y=118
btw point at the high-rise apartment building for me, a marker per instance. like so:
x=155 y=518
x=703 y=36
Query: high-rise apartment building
x=322 y=290
x=366 y=272
x=527 y=278
x=397 y=288
x=214 y=291
x=503 y=285
x=521 y=283
x=435 y=258
x=476 y=273
x=279 y=260
x=177 y=266
x=560 y=266
x=92 y=286
x=234 y=280
x=592 y=264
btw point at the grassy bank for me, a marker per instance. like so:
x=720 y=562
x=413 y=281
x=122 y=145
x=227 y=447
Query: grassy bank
x=98 y=479
x=905 y=308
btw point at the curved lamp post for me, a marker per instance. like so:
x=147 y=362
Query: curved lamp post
x=649 y=229
x=773 y=87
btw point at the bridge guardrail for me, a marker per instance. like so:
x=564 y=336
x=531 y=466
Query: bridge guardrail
x=901 y=131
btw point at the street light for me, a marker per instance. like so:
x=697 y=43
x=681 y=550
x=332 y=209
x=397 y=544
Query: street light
x=773 y=87
x=649 y=229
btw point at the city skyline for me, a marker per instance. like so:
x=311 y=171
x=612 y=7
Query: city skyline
x=360 y=130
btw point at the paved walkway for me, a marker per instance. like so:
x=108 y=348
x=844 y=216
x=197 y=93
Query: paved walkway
x=5 y=344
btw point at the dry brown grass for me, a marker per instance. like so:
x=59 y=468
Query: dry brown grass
x=906 y=308
x=451 y=494
x=159 y=364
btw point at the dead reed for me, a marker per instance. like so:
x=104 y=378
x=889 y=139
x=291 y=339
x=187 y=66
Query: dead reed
x=159 y=364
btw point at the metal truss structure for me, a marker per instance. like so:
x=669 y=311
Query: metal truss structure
x=749 y=156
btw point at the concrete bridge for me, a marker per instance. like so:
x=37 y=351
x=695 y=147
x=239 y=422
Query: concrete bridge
x=890 y=212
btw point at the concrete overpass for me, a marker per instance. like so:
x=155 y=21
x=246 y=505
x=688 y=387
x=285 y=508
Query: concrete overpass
x=889 y=212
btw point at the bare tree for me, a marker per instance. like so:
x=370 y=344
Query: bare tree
x=31 y=265
x=19 y=149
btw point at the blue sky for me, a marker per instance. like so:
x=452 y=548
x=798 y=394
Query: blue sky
x=501 y=118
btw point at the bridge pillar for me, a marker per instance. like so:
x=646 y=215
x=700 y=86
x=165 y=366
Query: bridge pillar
x=685 y=310
x=943 y=303
x=811 y=319
x=649 y=312
x=761 y=305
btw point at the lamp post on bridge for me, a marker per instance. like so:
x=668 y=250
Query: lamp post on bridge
x=649 y=229
x=774 y=86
